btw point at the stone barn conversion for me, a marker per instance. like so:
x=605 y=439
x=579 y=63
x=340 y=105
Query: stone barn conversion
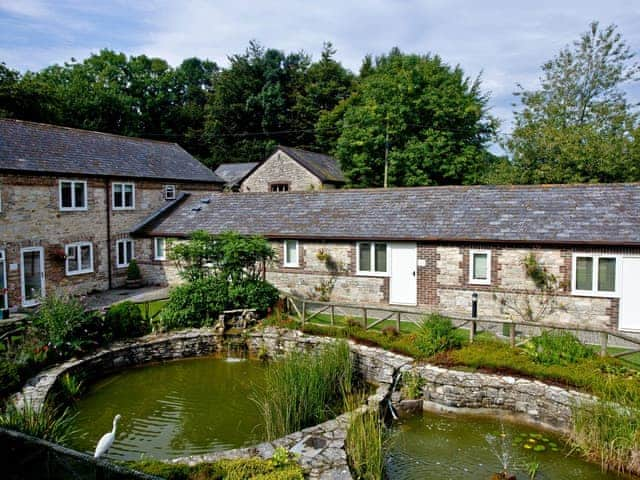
x=433 y=247
x=285 y=170
x=69 y=199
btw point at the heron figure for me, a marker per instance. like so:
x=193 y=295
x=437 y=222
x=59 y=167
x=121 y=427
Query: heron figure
x=107 y=439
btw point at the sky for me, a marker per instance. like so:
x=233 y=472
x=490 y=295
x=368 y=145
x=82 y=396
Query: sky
x=505 y=41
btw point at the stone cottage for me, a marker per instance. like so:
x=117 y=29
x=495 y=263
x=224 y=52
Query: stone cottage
x=69 y=199
x=433 y=247
x=285 y=170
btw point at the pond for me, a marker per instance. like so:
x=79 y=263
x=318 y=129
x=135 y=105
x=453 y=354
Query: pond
x=184 y=407
x=446 y=446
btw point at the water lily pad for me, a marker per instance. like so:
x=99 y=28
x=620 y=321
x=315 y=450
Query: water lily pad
x=539 y=448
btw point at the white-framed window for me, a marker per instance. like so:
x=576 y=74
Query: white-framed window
x=372 y=258
x=124 y=196
x=79 y=258
x=480 y=267
x=169 y=192
x=72 y=195
x=159 y=248
x=595 y=275
x=291 y=255
x=124 y=252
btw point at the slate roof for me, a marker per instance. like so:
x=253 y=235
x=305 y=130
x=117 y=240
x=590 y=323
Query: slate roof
x=43 y=148
x=234 y=173
x=559 y=214
x=325 y=167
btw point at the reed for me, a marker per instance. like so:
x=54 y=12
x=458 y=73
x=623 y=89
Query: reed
x=304 y=389
x=48 y=423
x=366 y=443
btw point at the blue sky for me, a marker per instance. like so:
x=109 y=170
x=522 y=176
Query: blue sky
x=505 y=40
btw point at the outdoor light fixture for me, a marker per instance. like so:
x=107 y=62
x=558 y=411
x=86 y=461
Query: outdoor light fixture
x=474 y=305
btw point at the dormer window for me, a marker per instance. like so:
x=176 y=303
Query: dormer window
x=279 y=187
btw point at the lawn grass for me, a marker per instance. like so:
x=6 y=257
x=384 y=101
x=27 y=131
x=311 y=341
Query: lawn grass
x=154 y=307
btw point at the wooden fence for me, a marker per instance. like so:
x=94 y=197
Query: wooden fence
x=301 y=307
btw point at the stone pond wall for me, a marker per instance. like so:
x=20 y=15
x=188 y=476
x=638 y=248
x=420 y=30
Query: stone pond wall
x=321 y=447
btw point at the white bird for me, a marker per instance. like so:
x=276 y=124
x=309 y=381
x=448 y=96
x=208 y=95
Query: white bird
x=107 y=439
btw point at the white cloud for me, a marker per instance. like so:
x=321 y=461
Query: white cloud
x=507 y=41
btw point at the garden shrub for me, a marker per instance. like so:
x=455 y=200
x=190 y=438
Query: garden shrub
x=48 y=423
x=195 y=304
x=125 y=320
x=436 y=334
x=66 y=326
x=256 y=294
x=133 y=270
x=9 y=377
x=557 y=348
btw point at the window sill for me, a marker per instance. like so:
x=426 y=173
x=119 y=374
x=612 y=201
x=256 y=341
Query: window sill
x=589 y=293
x=81 y=272
x=122 y=209
x=373 y=274
x=73 y=209
x=486 y=283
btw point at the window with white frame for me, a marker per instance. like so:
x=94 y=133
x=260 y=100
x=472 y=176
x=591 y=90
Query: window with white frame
x=480 y=267
x=372 y=258
x=159 y=248
x=291 y=253
x=124 y=252
x=79 y=258
x=595 y=275
x=73 y=195
x=169 y=192
x=124 y=196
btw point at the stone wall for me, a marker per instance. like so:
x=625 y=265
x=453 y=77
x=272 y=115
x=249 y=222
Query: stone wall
x=280 y=168
x=530 y=401
x=30 y=217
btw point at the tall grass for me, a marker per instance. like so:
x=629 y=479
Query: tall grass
x=608 y=433
x=366 y=443
x=48 y=423
x=304 y=389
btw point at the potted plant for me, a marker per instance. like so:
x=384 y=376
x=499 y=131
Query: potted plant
x=134 y=276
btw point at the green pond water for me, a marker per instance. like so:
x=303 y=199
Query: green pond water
x=184 y=407
x=444 y=446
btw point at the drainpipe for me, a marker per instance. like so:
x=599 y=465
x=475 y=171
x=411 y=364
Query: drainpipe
x=108 y=202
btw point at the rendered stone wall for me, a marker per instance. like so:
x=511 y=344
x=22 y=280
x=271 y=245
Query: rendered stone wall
x=280 y=168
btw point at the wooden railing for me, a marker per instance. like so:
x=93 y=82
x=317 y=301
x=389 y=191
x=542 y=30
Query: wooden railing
x=400 y=316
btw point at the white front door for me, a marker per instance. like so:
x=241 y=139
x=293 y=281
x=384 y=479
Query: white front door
x=32 y=275
x=3 y=281
x=630 y=298
x=403 y=284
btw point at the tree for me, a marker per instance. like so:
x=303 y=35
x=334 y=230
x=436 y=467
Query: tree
x=435 y=117
x=578 y=126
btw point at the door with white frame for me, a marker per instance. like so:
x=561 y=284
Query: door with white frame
x=403 y=286
x=32 y=275
x=630 y=295
x=4 y=300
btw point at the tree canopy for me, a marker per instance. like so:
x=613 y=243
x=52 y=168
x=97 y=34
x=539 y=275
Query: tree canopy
x=579 y=126
x=431 y=116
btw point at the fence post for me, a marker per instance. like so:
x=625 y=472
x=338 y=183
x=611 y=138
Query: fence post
x=304 y=311
x=333 y=315
x=472 y=331
x=604 y=339
x=364 y=317
x=512 y=335
x=398 y=321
